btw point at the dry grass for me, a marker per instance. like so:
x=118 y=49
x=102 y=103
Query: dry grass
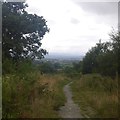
x=50 y=80
x=46 y=105
x=33 y=95
x=101 y=94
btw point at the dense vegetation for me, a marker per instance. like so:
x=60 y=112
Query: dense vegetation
x=21 y=32
x=32 y=95
x=96 y=91
x=34 y=90
x=103 y=58
x=29 y=90
x=96 y=95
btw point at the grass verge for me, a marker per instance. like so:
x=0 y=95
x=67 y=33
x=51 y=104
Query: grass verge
x=97 y=96
x=33 y=95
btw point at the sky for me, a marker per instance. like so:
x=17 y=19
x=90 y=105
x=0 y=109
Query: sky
x=75 y=26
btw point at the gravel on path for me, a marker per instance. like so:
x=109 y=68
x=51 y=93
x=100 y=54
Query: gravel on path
x=70 y=110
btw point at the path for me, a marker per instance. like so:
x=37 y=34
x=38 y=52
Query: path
x=70 y=110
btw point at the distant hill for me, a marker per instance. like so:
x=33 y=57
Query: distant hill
x=63 y=57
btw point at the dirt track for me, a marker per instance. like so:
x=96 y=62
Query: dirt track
x=70 y=110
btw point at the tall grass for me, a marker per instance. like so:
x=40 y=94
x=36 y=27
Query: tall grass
x=28 y=94
x=97 y=96
x=16 y=92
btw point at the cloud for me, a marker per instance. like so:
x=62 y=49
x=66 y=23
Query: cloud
x=74 y=26
x=103 y=12
x=101 y=8
x=119 y=16
x=74 y=21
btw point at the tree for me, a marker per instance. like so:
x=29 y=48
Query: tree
x=103 y=58
x=22 y=32
x=115 y=37
x=90 y=60
x=47 y=67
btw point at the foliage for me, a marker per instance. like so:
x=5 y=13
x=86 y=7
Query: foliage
x=49 y=67
x=17 y=89
x=20 y=67
x=115 y=37
x=103 y=58
x=71 y=72
x=78 y=66
x=26 y=95
x=22 y=32
x=32 y=95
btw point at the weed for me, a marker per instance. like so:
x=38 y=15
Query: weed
x=98 y=93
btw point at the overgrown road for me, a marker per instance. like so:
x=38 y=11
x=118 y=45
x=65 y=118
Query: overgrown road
x=70 y=110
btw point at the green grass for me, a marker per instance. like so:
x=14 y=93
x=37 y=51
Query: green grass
x=33 y=95
x=97 y=96
x=60 y=98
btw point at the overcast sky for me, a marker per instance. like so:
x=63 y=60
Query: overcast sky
x=75 y=26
